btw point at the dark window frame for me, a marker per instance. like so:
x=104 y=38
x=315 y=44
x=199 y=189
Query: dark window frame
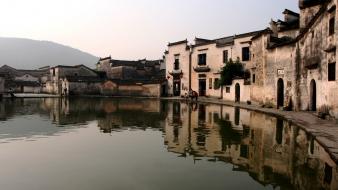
x=216 y=84
x=202 y=59
x=225 y=56
x=331 y=71
x=227 y=90
x=177 y=64
x=245 y=53
x=332 y=25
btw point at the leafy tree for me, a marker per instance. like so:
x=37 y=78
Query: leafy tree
x=230 y=71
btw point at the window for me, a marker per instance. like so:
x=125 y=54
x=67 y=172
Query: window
x=331 y=69
x=177 y=64
x=254 y=78
x=225 y=56
x=53 y=72
x=332 y=26
x=216 y=84
x=210 y=83
x=227 y=89
x=202 y=59
x=245 y=54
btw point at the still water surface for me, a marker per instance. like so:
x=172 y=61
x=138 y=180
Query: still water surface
x=149 y=144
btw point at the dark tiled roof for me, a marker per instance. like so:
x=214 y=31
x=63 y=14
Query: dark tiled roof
x=20 y=72
x=105 y=58
x=203 y=41
x=303 y=31
x=287 y=11
x=285 y=26
x=225 y=41
x=310 y=3
x=229 y=40
x=178 y=43
x=266 y=31
x=138 y=64
x=248 y=34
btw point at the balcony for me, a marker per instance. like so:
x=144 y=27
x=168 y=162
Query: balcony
x=176 y=73
x=202 y=69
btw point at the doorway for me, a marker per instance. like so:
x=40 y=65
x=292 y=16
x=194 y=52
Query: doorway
x=313 y=96
x=177 y=88
x=202 y=87
x=237 y=93
x=280 y=93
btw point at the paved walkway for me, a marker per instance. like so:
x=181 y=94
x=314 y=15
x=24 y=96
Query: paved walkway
x=325 y=131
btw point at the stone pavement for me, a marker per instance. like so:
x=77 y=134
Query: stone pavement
x=325 y=131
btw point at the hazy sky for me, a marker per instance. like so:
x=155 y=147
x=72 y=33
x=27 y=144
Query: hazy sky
x=133 y=29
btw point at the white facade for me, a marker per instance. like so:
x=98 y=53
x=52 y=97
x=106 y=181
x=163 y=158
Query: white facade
x=178 y=77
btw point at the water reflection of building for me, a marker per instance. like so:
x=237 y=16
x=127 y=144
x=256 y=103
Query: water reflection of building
x=271 y=150
x=111 y=114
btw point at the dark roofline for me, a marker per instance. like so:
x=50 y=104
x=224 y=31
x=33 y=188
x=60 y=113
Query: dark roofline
x=104 y=58
x=26 y=70
x=287 y=11
x=70 y=66
x=266 y=31
x=303 y=4
x=178 y=43
x=202 y=39
x=75 y=66
x=306 y=29
x=204 y=44
x=248 y=34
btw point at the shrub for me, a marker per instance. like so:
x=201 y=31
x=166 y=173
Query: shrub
x=231 y=70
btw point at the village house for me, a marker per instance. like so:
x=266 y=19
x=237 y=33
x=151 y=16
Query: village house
x=292 y=64
x=209 y=57
x=178 y=70
x=133 y=78
x=74 y=80
x=126 y=70
x=295 y=60
x=198 y=66
x=24 y=81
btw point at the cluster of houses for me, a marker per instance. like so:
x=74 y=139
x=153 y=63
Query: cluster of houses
x=110 y=78
x=292 y=63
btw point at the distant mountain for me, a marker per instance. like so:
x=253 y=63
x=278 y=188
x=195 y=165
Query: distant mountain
x=32 y=54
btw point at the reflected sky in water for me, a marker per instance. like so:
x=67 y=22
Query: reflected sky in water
x=151 y=144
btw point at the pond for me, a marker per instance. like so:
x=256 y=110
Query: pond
x=89 y=143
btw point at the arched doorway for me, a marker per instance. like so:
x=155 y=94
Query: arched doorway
x=280 y=93
x=313 y=96
x=237 y=93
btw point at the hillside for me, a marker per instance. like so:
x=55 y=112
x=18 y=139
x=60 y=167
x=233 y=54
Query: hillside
x=33 y=54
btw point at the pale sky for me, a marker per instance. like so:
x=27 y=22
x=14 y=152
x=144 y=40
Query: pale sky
x=134 y=29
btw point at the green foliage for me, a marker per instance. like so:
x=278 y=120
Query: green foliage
x=230 y=71
x=217 y=84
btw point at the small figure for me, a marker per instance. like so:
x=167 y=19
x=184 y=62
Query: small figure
x=65 y=92
x=193 y=95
